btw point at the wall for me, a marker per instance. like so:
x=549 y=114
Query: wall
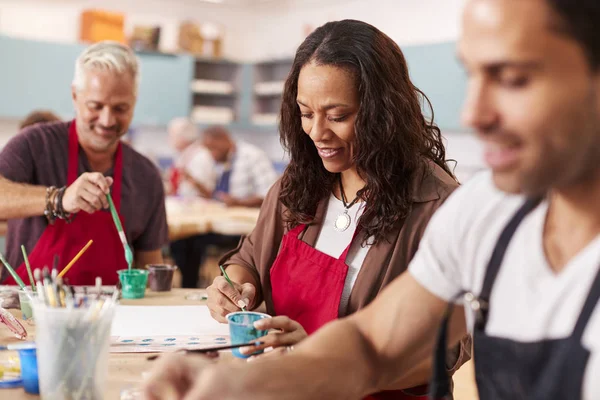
x=257 y=32
x=58 y=20
x=284 y=27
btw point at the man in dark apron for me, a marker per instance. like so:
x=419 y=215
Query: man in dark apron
x=518 y=245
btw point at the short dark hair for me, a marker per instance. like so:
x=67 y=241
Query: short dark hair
x=580 y=19
x=394 y=141
x=37 y=116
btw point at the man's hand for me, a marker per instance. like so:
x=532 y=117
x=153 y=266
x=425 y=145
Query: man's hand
x=87 y=193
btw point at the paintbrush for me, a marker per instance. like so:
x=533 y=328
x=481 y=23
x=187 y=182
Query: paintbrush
x=28 y=266
x=117 y=221
x=241 y=304
x=49 y=290
x=213 y=349
x=12 y=272
x=40 y=286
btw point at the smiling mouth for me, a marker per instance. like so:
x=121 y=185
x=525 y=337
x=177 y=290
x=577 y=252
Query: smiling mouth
x=501 y=157
x=328 y=152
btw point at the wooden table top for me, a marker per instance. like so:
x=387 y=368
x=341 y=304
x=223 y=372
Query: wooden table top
x=125 y=369
x=187 y=217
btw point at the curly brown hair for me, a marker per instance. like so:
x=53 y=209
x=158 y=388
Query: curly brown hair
x=393 y=140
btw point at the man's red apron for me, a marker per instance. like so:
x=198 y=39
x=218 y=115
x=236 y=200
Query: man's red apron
x=105 y=256
x=307 y=287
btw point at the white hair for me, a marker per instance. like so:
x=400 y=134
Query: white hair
x=184 y=129
x=106 y=56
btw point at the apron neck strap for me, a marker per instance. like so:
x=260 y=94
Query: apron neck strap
x=73 y=165
x=298 y=230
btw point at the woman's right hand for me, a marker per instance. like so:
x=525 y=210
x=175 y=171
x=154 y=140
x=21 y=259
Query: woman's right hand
x=223 y=299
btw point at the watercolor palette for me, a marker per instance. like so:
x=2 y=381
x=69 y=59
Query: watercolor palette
x=154 y=344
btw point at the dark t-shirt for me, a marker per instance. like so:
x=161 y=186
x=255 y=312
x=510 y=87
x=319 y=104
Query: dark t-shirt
x=39 y=156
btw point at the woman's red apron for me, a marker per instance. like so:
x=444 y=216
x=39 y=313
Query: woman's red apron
x=105 y=256
x=307 y=287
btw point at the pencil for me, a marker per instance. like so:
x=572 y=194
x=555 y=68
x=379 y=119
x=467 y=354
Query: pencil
x=74 y=260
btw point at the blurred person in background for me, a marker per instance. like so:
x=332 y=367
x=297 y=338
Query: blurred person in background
x=244 y=173
x=192 y=172
x=37 y=116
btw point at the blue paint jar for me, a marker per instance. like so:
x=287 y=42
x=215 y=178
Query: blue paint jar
x=242 y=330
x=29 y=370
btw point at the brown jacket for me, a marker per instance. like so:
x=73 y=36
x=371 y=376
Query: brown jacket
x=384 y=261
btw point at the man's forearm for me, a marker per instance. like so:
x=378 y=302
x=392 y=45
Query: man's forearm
x=18 y=200
x=337 y=363
x=253 y=201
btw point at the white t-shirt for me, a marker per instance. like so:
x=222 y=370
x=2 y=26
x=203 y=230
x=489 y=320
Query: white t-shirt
x=529 y=301
x=333 y=243
x=252 y=172
x=197 y=162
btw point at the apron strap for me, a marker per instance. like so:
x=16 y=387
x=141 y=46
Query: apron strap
x=440 y=381
x=73 y=165
x=498 y=256
x=588 y=308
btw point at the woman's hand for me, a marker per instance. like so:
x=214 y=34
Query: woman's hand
x=285 y=333
x=223 y=299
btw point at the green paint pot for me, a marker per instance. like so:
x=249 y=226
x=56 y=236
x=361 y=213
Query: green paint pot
x=133 y=283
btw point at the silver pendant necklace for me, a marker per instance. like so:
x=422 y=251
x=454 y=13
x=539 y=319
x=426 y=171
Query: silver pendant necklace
x=343 y=220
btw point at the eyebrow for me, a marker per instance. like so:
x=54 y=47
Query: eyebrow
x=496 y=66
x=327 y=107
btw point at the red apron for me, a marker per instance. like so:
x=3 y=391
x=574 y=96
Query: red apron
x=105 y=256
x=307 y=287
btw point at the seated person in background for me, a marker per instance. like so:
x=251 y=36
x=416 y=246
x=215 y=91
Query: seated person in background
x=37 y=116
x=192 y=172
x=367 y=171
x=55 y=178
x=243 y=173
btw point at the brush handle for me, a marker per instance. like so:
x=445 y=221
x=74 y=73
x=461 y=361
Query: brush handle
x=229 y=281
x=12 y=272
x=28 y=266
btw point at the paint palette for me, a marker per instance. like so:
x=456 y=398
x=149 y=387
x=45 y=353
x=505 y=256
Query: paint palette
x=154 y=344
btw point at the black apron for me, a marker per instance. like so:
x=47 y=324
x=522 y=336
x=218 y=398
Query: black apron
x=509 y=370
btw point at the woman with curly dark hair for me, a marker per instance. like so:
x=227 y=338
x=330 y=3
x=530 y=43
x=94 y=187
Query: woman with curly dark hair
x=366 y=172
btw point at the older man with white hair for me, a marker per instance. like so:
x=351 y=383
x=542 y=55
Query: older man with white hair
x=55 y=178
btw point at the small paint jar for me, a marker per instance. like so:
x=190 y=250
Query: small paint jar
x=133 y=283
x=161 y=277
x=242 y=330
x=25 y=297
x=29 y=370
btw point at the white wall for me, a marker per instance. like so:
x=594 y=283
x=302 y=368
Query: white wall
x=283 y=28
x=58 y=20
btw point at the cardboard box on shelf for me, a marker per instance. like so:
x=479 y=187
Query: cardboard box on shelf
x=193 y=40
x=99 y=25
x=145 y=38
